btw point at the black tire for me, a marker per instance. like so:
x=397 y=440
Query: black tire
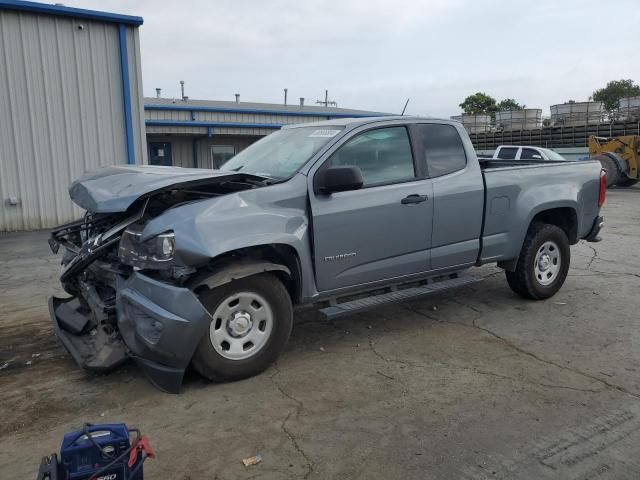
x=523 y=280
x=609 y=165
x=211 y=364
x=627 y=182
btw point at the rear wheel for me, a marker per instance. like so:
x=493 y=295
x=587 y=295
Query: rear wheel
x=543 y=263
x=627 y=182
x=251 y=322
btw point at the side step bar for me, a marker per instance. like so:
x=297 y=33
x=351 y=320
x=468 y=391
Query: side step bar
x=356 y=306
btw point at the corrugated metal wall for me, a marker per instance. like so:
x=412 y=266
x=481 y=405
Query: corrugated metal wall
x=61 y=111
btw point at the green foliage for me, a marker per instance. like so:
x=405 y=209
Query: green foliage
x=478 y=104
x=614 y=91
x=509 y=104
x=482 y=104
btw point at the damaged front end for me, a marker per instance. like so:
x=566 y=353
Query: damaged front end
x=86 y=322
x=128 y=294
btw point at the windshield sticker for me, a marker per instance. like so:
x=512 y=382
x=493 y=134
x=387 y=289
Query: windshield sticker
x=324 y=133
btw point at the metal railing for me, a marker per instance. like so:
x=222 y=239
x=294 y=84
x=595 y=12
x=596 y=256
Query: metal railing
x=553 y=137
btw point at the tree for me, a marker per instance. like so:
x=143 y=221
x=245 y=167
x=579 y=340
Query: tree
x=509 y=104
x=478 y=104
x=614 y=91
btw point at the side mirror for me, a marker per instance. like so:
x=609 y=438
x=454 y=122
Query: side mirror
x=536 y=157
x=340 y=179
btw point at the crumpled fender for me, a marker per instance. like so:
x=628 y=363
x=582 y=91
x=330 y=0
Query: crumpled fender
x=234 y=269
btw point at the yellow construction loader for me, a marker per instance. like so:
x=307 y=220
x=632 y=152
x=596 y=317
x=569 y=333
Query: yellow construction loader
x=619 y=156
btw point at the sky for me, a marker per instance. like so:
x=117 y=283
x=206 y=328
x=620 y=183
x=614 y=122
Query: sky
x=374 y=54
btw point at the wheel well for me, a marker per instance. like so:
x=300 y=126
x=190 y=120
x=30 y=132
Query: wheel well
x=280 y=254
x=563 y=217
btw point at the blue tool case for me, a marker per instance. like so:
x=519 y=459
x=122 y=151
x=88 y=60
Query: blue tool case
x=97 y=452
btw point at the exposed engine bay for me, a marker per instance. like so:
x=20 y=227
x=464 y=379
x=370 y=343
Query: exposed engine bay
x=105 y=249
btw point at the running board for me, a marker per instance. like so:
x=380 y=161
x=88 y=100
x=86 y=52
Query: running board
x=356 y=306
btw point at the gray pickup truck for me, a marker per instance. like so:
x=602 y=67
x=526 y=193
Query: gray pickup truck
x=175 y=267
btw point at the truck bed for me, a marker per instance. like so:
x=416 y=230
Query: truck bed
x=516 y=190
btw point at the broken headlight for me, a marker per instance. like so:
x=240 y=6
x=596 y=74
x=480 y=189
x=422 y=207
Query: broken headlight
x=153 y=253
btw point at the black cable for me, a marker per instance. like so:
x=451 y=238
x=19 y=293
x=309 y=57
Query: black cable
x=119 y=457
x=87 y=434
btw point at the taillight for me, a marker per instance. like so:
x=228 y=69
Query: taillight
x=603 y=187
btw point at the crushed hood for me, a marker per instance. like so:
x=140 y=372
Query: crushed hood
x=114 y=189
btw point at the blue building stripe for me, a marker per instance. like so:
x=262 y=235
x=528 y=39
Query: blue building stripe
x=258 y=111
x=61 y=10
x=126 y=93
x=186 y=123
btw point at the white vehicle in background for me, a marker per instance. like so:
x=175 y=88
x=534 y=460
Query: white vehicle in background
x=518 y=152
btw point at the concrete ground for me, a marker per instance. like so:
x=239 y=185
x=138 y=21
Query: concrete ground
x=471 y=384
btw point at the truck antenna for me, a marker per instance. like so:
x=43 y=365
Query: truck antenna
x=405 y=106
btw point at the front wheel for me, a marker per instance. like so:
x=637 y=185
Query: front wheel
x=251 y=322
x=543 y=263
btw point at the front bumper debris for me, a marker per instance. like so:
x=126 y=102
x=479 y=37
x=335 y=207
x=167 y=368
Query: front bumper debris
x=158 y=325
x=92 y=348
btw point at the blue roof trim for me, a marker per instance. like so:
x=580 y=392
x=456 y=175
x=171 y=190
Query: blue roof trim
x=257 y=111
x=185 y=123
x=46 y=8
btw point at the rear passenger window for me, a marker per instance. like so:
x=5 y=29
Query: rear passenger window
x=529 y=154
x=382 y=155
x=442 y=147
x=508 y=153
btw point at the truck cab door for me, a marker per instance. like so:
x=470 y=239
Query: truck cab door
x=377 y=232
x=458 y=194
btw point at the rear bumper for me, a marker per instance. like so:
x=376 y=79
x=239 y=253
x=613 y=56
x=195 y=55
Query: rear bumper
x=593 y=235
x=159 y=326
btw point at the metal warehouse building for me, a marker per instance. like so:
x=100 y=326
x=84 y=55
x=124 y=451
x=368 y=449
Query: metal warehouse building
x=70 y=101
x=204 y=134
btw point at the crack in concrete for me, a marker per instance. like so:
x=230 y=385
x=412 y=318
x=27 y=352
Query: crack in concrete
x=608 y=260
x=293 y=413
x=522 y=351
x=471 y=369
x=542 y=384
x=493 y=274
x=394 y=360
x=385 y=375
x=479 y=312
x=593 y=257
x=601 y=272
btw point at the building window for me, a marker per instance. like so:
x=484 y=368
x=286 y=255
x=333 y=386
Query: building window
x=160 y=153
x=220 y=154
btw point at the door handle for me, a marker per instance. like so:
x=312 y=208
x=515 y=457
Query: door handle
x=413 y=199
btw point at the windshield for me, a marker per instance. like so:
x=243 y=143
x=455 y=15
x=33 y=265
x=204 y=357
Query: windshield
x=282 y=153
